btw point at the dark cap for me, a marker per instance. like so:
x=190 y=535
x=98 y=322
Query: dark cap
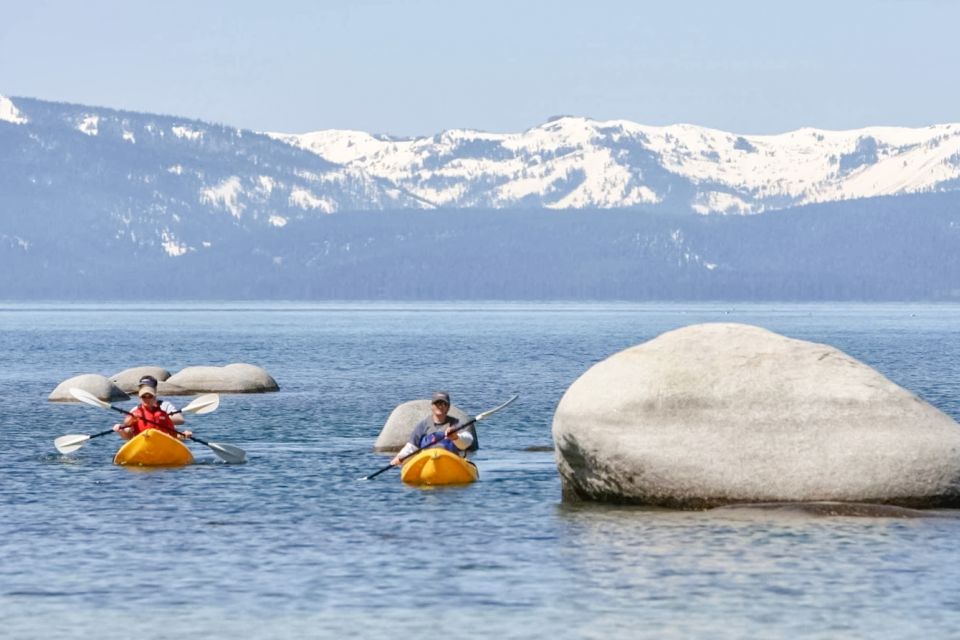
x=440 y=396
x=149 y=381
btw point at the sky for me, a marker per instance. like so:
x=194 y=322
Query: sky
x=422 y=66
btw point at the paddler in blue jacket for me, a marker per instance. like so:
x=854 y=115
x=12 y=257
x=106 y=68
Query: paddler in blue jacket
x=437 y=430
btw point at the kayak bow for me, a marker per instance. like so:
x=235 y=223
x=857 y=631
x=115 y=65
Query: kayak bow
x=437 y=466
x=153 y=448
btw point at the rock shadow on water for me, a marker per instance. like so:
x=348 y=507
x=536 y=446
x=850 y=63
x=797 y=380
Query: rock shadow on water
x=828 y=509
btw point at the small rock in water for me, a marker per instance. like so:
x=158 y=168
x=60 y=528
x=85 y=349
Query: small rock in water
x=233 y=378
x=100 y=386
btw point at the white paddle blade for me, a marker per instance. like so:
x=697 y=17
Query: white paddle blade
x=228 y=453
x=203 y=404
x=70 y=443
x=88 y=398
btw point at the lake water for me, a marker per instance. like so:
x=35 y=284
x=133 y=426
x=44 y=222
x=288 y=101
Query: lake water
x=291 y=544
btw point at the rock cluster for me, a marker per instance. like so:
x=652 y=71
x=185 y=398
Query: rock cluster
x=232 y=378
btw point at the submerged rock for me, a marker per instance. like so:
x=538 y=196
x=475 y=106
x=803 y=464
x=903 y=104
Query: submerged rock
x=129 y=379
x=717 y=414
x=100 y=386
x=404 y=418
x=233 y=378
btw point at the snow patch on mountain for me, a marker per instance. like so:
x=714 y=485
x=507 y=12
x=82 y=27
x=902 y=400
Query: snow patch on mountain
x=186 y=132
x=15 y=242
x=266 y=184
x=304 y=199
x=10 y=113
x=225 y=195
x=171 y=245
x=89 y=125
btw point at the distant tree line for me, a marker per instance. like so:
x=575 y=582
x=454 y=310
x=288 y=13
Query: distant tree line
x=905 y=248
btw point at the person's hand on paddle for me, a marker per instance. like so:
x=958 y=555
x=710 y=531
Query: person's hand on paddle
x=184 y=435
x=122 y=430
x=451 y=434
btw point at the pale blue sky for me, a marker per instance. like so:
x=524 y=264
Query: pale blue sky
x=418 y=67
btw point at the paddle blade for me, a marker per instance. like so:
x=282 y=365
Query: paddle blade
x=88 y=398
x=203 y=404
x=71 y=442
x=228 y=452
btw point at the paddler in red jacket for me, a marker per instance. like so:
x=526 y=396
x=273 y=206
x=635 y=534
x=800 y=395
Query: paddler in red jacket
x=149 y=415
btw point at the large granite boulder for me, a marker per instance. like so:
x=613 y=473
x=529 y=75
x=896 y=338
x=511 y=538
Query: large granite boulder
x=718 y=414
x=233 y=378
x=405 y=417
x=129 y=379
x=100 y=386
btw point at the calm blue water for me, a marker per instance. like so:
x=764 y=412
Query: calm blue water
x=292 y=545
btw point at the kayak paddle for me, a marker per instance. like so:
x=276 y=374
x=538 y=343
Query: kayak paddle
x=466 y=424
x=71 y=442
x=201 y=405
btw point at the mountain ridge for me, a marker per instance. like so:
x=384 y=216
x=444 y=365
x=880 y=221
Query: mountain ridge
x=619 y=163
x=568 y=162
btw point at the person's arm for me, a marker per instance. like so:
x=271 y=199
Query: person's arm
x=169 y=408
x=403 y=453
x=463 y=439
x=413 y=443
x=125 y=429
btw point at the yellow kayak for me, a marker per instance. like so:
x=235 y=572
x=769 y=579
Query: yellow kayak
x=153 y=448
x=437 y=466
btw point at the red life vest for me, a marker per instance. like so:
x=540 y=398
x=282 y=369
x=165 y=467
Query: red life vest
x=157 y=416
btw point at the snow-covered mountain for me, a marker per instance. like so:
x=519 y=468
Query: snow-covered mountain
x=566 y=163
x=91 y=199
x=574 y=163
x=152 y=181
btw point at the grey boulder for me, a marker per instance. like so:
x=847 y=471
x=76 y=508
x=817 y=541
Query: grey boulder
x=129 y=379
x=717 y=414
x=233 y=378
x=404 y=419
x=94 y=383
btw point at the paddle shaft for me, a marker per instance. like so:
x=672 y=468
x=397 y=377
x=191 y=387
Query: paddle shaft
x=102 y=433
x=466 y=424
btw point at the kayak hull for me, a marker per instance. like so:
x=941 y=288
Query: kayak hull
x=153 y=448
x=436 y=467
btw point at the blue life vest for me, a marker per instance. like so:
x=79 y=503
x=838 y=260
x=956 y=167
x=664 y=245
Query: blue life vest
x=436 y=440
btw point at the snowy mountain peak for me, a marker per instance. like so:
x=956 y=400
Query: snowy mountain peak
x=577 y=162
x=9 y=112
